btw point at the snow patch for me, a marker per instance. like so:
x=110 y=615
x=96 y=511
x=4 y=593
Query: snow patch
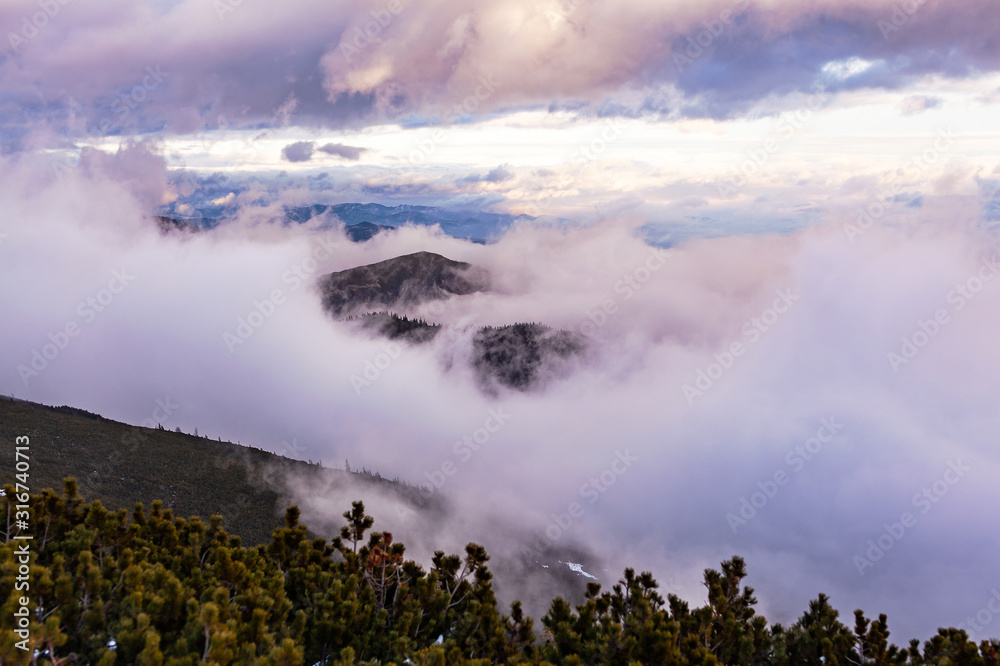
x=578 y=568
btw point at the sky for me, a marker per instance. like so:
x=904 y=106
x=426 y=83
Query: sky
x=583 y=106
x=811 y=356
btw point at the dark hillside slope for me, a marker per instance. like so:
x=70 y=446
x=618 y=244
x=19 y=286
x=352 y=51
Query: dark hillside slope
x=524 y=355
x=120 y=465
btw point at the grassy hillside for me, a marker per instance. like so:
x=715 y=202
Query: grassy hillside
x=120 y=465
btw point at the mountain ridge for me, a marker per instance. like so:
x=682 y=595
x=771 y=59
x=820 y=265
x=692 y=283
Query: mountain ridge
x=518 y=356
x=120 y=464
x=404 y=281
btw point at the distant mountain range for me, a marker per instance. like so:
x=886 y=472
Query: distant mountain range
x=364 y=220
x=363 y=231
x=359 y=233
x=471 y=225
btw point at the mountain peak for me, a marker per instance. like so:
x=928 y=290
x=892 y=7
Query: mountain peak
x=400 y=282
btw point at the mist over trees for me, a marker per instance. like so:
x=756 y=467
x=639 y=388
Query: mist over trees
x=150 y=588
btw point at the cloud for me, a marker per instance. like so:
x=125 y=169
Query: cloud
x=137 y=165
x=656 y=325
x=224 y=201
x=713 y=368
x=182 y=69
x=918 y=104
x=721 y=57
x=300 y=151
x=500 y=174
x=351 y=153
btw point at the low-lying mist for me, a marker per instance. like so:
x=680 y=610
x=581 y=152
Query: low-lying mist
x=823 y=403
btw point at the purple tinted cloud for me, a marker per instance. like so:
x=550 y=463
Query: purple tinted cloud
x=655 y=327
x=350 y=153
x=87 y=69
x=300 y=151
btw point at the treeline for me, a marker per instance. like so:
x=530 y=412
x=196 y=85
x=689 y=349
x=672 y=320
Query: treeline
x=149 y=588
x=403 y=320
x=520 y=356
x=395 y=326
